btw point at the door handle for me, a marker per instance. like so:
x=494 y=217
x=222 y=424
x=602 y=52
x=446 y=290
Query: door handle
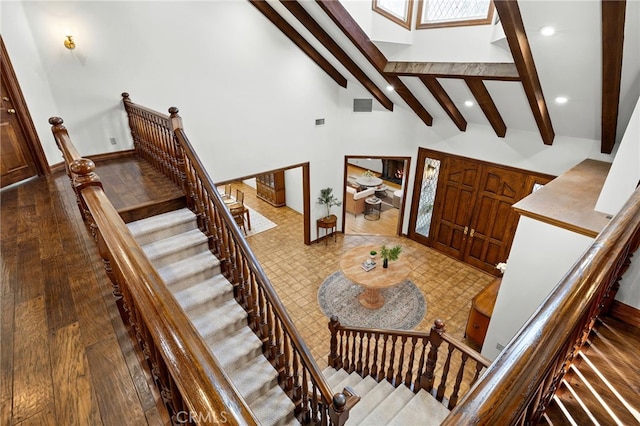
x=473 y=231
x=11 y=111
x=466 y=229
x=4 y=98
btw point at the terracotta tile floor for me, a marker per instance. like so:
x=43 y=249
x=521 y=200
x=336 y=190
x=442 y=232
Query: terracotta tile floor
x=297 y=271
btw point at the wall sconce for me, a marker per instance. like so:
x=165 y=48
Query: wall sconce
x=69 y=43
x=429 y=172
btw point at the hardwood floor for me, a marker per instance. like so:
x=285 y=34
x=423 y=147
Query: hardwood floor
x=66 y=356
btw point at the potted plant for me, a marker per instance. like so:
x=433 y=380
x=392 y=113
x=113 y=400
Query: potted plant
x=388 y=254
x=328 y=200
x=372 y=256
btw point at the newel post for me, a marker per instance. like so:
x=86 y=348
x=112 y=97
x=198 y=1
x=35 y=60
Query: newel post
x=435 y=338
x=334 y=358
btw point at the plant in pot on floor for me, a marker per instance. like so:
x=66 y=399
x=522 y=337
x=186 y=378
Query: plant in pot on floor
x=388 y=254
x=328 y=200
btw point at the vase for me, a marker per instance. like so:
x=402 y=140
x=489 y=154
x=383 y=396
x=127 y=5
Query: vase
x=385 y=263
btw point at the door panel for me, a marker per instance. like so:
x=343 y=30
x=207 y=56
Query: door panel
x=494 y=219
x=454 y=208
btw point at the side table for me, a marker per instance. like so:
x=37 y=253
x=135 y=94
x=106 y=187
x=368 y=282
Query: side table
x=327 y=223
x=372 y=208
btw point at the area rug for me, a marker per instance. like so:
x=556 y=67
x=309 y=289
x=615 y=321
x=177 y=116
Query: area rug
x=259 y=223
x=403 y=309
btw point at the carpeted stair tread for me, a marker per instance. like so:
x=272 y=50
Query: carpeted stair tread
x=254 y=380
x=216 y=324
x=274 y=408
x=336 y=378
x=328 y=372
x=216 y=289
x=161 y=226
x=369 y=402
x=191 y=271
x=423 y=409
x=365 y=386
x=351 y=380
x=176 y=247
x=237 y=349
x=389 y=407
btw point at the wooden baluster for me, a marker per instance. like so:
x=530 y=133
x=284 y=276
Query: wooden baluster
x=277 y=349
x=341 y=344
x=384 y=357
x=367 y=367
x=359 y=364
x=288 y=379
x=374 y=367
x=399 y=374
x=298 y=393
x=453 y=399
x=445 y=373
x=271 y=337
x=435 y=338
x=392 y=357
x=354 y=340
x=479 y=368
x=419 y=382
x=333 y=360
x=409 y=377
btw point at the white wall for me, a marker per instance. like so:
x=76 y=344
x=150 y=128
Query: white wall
x=249 y=98
x=624 y=174
x=540 y=256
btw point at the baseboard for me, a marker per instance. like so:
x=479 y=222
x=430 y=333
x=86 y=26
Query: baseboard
x=625 y=313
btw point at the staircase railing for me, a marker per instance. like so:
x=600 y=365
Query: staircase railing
x=408 y=358
x=517 y=387
x=162 y=139
x=192 y=384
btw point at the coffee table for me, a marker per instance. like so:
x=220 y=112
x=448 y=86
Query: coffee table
x=376 y=279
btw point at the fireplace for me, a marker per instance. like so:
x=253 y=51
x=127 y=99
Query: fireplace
x=392 y=170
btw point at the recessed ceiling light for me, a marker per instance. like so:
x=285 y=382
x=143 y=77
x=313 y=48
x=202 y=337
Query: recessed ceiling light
x=390 y=88
x=468 y=103
x=547 y=31
x=561 y=100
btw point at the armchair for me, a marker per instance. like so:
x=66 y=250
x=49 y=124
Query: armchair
x=354 y=201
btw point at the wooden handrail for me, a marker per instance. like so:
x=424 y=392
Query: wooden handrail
x=408 y=358
x=202 y=385
x=283 y=346
x=518 y=385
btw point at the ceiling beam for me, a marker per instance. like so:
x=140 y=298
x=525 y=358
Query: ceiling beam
x=299 y=41
x=513 y=26
x=487 y=105
x=485 y=70
x=445 y=101
x=613 y=17
x=339 y=15
x=316 y=30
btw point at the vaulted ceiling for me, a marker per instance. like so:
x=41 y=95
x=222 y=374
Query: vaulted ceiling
x=585 y=63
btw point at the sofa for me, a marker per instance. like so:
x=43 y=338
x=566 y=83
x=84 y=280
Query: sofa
x=354 y=200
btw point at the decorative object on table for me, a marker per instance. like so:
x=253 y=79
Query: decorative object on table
x=328 y=200
x=502 y=266
x=372 y=255
x=368 y=265
x=405 y=305
x=388 y=254
x=368 y=174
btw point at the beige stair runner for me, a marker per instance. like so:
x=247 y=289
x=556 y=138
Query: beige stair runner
x=180 y=253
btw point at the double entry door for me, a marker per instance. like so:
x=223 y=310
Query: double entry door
x=472 y=216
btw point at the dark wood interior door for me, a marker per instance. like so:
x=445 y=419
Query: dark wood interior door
x=454 y=206
x=21 y=155
x=17 y=162
x=494 y=221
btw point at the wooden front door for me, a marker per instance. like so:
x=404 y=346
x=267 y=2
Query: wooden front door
x=454 y=206
x=21 y=155
x=494 y=221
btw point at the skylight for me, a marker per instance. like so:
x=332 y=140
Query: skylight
x=450 y=13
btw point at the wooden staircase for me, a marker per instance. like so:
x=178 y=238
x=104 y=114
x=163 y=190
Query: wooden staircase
x=180 y=253
x=383 y=404
x=602 y=386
